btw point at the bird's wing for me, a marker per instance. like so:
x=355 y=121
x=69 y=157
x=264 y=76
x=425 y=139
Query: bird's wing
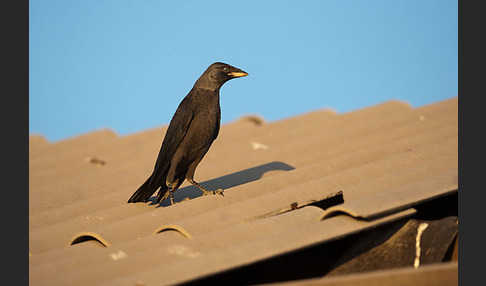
x=176 y=132
x=218 y=122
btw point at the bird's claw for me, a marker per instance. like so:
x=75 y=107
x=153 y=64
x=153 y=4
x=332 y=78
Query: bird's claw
x=219 y=192
x=215 y=192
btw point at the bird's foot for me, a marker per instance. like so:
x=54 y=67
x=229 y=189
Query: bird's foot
x=204 y=191
x=162 y=197
x=214 y=192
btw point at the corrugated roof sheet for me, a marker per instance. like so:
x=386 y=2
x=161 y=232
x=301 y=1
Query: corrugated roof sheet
x=443 y=274
x=385 y=159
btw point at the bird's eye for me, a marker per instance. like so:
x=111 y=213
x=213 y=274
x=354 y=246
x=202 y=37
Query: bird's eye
x=225 y=69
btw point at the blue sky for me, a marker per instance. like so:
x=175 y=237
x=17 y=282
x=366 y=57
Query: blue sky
x=126 y=64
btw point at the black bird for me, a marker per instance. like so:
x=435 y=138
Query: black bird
x=192 y=130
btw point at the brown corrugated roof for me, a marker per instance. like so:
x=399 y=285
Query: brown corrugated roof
x=444 y=274
x=385 y=160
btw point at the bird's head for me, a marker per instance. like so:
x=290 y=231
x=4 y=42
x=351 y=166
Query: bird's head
x=217 y=74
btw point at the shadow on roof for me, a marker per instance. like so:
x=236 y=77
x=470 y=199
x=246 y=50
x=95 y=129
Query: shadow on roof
x=227 y=181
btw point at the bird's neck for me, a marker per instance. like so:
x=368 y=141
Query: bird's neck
x=210 y=89
x=206 y=95
x=204 y=83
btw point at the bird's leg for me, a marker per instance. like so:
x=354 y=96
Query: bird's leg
x=206 y=192
x=171 y=197
x=161 y=197
x=172 y=187
x=168 y=194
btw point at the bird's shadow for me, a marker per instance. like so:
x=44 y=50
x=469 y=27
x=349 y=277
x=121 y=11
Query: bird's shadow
x=225 y=182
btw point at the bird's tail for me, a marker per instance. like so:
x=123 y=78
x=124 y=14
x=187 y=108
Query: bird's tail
x=143 y=193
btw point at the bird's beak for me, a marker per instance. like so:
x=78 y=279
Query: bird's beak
x=237 y=73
